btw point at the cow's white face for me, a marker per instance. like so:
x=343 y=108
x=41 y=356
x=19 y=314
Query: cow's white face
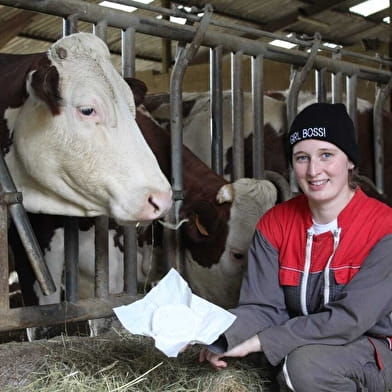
x=221 y=282
x=91 y=158
x=251 y=198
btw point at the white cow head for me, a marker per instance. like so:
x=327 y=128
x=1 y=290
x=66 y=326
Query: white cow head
x=78 y=150
x=221 y=282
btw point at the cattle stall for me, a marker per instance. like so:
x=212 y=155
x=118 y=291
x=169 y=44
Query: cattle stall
x=189 y=38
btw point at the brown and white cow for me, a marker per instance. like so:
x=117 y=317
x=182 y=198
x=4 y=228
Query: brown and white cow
x=196 y=123
x=70 y=139
x=69 y=135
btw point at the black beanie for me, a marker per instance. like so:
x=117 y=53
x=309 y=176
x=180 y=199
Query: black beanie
x=328 y=122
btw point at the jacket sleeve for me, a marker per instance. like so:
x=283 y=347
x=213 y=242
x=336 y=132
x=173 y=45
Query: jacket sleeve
x=364 y=301
x=261 y=303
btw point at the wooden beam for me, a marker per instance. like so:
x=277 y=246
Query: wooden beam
x=286 y=21
x=273 y=25
x=279 y=24
x=15 y=25
x=372 y=30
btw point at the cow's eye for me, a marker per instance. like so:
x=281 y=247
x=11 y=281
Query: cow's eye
x=238 y=256
x=87 y=111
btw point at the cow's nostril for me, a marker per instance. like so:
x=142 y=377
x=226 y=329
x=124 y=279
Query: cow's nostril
x=152 y=202
x=157 y=204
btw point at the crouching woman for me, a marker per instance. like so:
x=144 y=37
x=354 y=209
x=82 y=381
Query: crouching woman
x=317 y=296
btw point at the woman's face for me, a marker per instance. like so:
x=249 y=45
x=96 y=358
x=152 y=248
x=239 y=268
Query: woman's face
x=321 y=170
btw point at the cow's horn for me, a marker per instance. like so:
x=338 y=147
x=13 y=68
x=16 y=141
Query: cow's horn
x=61 y=52
x=281 y=184
x=225 y=194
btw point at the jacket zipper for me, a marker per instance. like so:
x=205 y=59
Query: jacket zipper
x=305 y=277
x=327 y=283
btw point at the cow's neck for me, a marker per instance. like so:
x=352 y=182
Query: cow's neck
x=200 y=181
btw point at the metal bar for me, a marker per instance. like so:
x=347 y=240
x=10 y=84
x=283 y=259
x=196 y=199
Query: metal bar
x=101 y=223
x=4 y=275
x=351 y=92
x=130 y=260
x=44 y=315
x=70 y=25
x=336 y=81
x=128 y=52
x=321 y=88
x=166 y=55
x=297 y=79
x=291 y=112
x=382 y=93
x=130 y=237
x=71 y=224
x=165 y=43
x=237 y=115
x=175 y=256
x=258 y=117
x=183 y=58
x=71 y=258
x=216 y=109
x=101 y=256
x=26 y=233
x=100 y=30
x=91 y=13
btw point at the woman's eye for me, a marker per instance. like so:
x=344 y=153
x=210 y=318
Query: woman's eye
x=87 y=111
x=327 y=155
x=301 y=158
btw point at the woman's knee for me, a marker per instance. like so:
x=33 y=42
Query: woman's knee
x=300 y=368
x=311 y=368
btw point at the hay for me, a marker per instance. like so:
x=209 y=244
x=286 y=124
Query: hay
x=122 y=362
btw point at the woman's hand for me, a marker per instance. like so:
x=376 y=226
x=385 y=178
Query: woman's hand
x=248 y=346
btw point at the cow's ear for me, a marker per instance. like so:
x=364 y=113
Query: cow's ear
x=43 y=84
x=139 y=89
x=205 y=233
x=225 y=194
x=202 y=220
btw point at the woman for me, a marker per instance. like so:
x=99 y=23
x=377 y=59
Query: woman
x=317 y=295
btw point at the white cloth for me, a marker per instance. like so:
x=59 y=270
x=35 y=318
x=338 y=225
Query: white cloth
x=174 y=317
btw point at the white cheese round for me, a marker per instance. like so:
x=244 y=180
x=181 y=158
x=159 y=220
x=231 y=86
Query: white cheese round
x=174 y=322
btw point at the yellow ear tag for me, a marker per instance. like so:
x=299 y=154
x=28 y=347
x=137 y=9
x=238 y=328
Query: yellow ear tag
x=200 y=227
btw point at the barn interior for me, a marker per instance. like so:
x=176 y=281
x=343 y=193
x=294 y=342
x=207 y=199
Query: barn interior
x=258 y=46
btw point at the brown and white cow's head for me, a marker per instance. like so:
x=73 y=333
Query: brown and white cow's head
x=77 y=149
x=248 y=199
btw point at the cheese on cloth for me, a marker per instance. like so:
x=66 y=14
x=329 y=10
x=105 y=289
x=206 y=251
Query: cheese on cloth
x=175 y=322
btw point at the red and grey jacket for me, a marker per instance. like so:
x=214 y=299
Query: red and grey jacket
x=302 y=288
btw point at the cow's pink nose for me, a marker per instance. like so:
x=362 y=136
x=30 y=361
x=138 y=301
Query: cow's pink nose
x=159 y=203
